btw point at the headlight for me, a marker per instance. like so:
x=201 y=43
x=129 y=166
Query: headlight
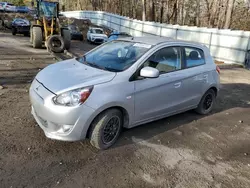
x=74 y=97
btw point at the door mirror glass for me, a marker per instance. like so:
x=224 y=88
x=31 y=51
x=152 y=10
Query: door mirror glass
x=149 y=72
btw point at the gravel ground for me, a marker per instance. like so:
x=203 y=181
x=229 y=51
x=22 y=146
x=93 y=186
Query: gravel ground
x=186 y=150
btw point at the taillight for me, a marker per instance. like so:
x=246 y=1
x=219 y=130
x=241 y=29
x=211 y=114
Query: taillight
x=218 y=69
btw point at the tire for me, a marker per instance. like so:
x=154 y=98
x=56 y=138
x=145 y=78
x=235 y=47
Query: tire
x=26 y=34
x=203 y=107
x=55 y=40
x=14 y=31
x=67 y=38
x=97 y=138
x=31 y=36
x=37 y=37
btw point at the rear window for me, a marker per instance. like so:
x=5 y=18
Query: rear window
x=10 y=4
x=194 y=57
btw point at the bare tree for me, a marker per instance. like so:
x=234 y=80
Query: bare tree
x=229 y=13
x=143 y=10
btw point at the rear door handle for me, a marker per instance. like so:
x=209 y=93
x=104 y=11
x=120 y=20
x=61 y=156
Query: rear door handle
x=177 y=85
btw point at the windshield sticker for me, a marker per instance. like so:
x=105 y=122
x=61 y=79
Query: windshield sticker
x=142 y=45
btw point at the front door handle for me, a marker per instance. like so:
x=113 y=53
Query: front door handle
x=177 y=85
x=205 y=76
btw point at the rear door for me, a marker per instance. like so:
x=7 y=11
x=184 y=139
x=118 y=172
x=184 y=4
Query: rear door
x=196 y=75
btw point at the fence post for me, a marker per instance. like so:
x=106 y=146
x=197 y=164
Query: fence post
x=247 y=61
x=161 y=31
x=110 y=21
x=142 y=29
x=120 y=24
x=210 y=40
x=176 y=34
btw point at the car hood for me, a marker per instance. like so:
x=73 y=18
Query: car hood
x=99 y=35
x=71 y=74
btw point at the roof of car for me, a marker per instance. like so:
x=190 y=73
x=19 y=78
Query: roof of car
x=154 y=40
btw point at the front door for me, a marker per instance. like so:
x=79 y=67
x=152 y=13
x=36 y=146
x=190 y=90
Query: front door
x=155 y=97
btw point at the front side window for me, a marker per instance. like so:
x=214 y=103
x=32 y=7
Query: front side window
x=194 y=57
x=165 y=60
x=115 y=56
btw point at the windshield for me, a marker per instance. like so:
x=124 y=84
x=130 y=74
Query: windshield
x=48 y=9
x=98 y=31
x=115 y=56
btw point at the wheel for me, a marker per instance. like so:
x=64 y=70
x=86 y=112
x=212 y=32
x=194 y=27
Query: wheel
x=31 y=36
x=207 y=102
x=37 y=38
x=55 y=43
x=26 y=34
x=106 y=129
x=14 y=31
x=67 y=38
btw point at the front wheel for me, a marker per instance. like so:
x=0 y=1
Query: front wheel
x=14 y=31
x=106 y=129
x=207 y=102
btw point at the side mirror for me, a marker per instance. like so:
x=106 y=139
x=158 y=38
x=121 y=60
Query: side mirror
x=149 y=72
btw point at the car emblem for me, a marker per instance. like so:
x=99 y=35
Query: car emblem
x=37 y=87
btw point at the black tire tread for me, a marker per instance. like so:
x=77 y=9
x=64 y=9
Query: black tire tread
x=67 y=38
x=55 y=49
x=14 y=31
x=96 y=126
x=200 y=109
x=37 y=37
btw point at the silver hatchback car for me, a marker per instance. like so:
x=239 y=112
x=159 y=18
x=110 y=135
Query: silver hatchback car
x=123 y=83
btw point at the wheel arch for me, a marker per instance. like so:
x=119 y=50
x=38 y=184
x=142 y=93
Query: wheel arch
x=124 y=112
x=215 y=89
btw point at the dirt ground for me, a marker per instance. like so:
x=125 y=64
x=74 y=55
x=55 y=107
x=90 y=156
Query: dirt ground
x=186 y=150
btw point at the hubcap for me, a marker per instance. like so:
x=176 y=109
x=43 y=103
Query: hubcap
x=208 y=101
x=111 y=129
x=56 y=43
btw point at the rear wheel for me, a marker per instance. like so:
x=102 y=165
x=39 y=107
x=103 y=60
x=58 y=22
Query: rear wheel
x=67 y=38
x=207 y=102
x=106 y=129
x=37 y=37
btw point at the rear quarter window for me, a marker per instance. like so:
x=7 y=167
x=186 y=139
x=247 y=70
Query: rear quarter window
x=194 y=57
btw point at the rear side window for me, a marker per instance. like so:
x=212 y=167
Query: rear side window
x=194 y=57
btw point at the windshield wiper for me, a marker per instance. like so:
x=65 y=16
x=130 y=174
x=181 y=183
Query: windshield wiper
x=94 y=65
x=111 y=69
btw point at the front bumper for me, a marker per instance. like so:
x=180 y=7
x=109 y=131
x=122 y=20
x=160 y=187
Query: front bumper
x=23 y=29
x=98 y=40
x=53 y=118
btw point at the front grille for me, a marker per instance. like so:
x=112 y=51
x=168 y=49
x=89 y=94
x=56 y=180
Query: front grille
x=98 y=40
